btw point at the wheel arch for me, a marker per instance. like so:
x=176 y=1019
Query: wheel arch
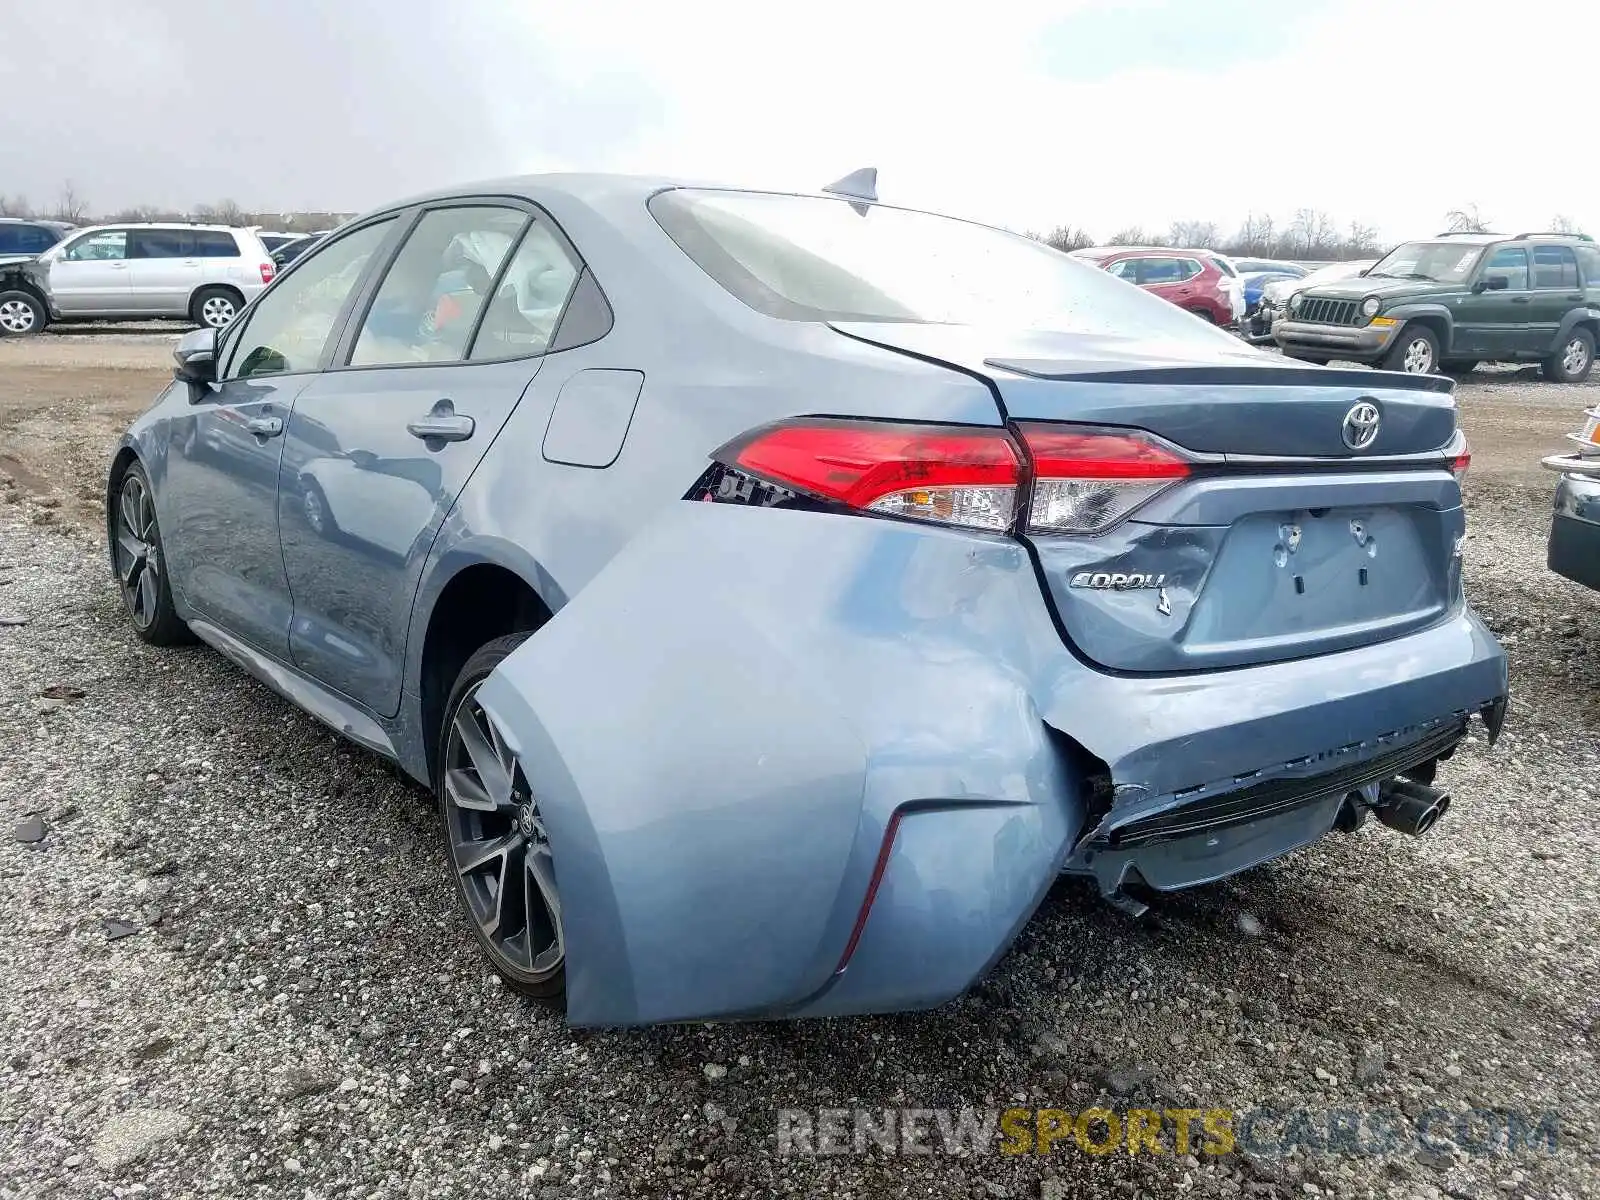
x=473 y=597
x=1435 y=317
x=1586 y=317
x=231 y=289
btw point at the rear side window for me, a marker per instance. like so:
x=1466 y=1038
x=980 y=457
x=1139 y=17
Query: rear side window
x=1589 y=260
x=159 y=243
x=527 y=306
x=1512 y=262
x=428 y=304
x=289 y=326
x=1225 y=267
x=1554 y=267
x=1168 y=270
x=214 y=243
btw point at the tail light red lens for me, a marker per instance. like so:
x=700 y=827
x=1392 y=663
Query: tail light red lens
x=267 y=271
x=1085 y=481
x=1461 y=460
x=950 y=474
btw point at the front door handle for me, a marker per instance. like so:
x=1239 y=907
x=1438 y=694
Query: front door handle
x=1519 y=299
x=443 y=424
x=264 y=427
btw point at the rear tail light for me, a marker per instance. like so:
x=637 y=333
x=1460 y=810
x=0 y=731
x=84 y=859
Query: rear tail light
x=267 y=270
x=1460 y=462
x=950 y=474
x=1084 y=480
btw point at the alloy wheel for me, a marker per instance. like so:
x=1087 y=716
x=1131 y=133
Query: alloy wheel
x=499 y=847
x=217 y=311
x=1419 y=357
x=1575 y=357
x=17 y=316
x=138 y=553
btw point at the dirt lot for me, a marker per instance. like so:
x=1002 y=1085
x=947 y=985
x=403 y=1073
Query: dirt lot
x=233 y=965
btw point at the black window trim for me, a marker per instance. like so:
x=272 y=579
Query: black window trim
x=335 y=330
x=339 y=360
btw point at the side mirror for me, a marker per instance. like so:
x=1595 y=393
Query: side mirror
x=1363 y=271
x=1492 y=283
x=196 y=357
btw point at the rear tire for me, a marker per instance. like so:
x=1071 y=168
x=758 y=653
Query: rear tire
x=1203 y=315
x=1415 y=351
x=215 y=307
x=1573 y=360
x=22 y=314
x=495 y=840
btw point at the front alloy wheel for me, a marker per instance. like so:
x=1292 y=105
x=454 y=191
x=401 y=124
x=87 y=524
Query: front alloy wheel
x=1419 y=356
x=20 y=315
x=1416 y=352
x=501 y=851
x=136 y=553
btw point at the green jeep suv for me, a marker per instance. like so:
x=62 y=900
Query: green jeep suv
x=1456 y=300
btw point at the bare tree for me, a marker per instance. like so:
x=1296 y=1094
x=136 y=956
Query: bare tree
x=1065 y=237
x=1313 y=235
x=224 y=213
x=1361 y=241
x=70 y=206
x=15 y=206
x=1466 y=220
x=1565 y=224
x=1195 y=233
x=1256 y=236
x=1133 y=235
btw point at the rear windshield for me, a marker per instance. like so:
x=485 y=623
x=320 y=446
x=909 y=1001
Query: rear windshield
x=813 y=258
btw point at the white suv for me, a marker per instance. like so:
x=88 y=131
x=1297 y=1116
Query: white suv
x=206 y=273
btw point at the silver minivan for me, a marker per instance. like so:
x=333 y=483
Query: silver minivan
x=206 y=273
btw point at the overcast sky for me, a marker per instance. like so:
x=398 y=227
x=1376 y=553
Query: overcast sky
x=1025 y=113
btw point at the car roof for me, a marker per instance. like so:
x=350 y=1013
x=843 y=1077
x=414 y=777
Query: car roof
x=161 y=225
x=37 y=221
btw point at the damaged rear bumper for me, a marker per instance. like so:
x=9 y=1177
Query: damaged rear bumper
x=799 y=765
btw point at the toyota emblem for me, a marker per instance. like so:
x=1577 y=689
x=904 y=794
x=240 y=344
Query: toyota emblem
x=1361 y=425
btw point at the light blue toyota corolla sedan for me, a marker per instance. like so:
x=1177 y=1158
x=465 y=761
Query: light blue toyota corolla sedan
x=781 y=591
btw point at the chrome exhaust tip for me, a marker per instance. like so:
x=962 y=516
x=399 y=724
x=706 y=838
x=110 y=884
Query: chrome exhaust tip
x=1409 y=807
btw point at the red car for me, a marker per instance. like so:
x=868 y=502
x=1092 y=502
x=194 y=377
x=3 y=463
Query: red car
x=1193 y=279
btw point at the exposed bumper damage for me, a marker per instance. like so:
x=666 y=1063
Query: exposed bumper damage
x=793 y=764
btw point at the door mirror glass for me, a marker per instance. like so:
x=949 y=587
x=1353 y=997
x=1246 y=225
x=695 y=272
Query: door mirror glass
x=196 y=357
x=1492 y=283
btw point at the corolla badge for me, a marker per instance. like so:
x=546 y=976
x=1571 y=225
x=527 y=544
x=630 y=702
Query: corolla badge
x=1361 y=425
x=1119 y=581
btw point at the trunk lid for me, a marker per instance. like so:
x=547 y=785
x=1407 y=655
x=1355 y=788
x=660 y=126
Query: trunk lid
x=1283 y=543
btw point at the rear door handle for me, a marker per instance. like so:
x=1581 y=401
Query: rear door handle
x=265 y=427
x=443 y=424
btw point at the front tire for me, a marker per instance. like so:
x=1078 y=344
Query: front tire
x=215 y=307
x=1416 y=352
x=21 y=313
x=495 y=836
x=140 y=565
x=1573 y=360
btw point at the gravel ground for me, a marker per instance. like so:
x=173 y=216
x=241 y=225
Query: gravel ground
x=232 y=965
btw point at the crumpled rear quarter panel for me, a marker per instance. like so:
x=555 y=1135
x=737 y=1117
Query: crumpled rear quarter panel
x=720 y=727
